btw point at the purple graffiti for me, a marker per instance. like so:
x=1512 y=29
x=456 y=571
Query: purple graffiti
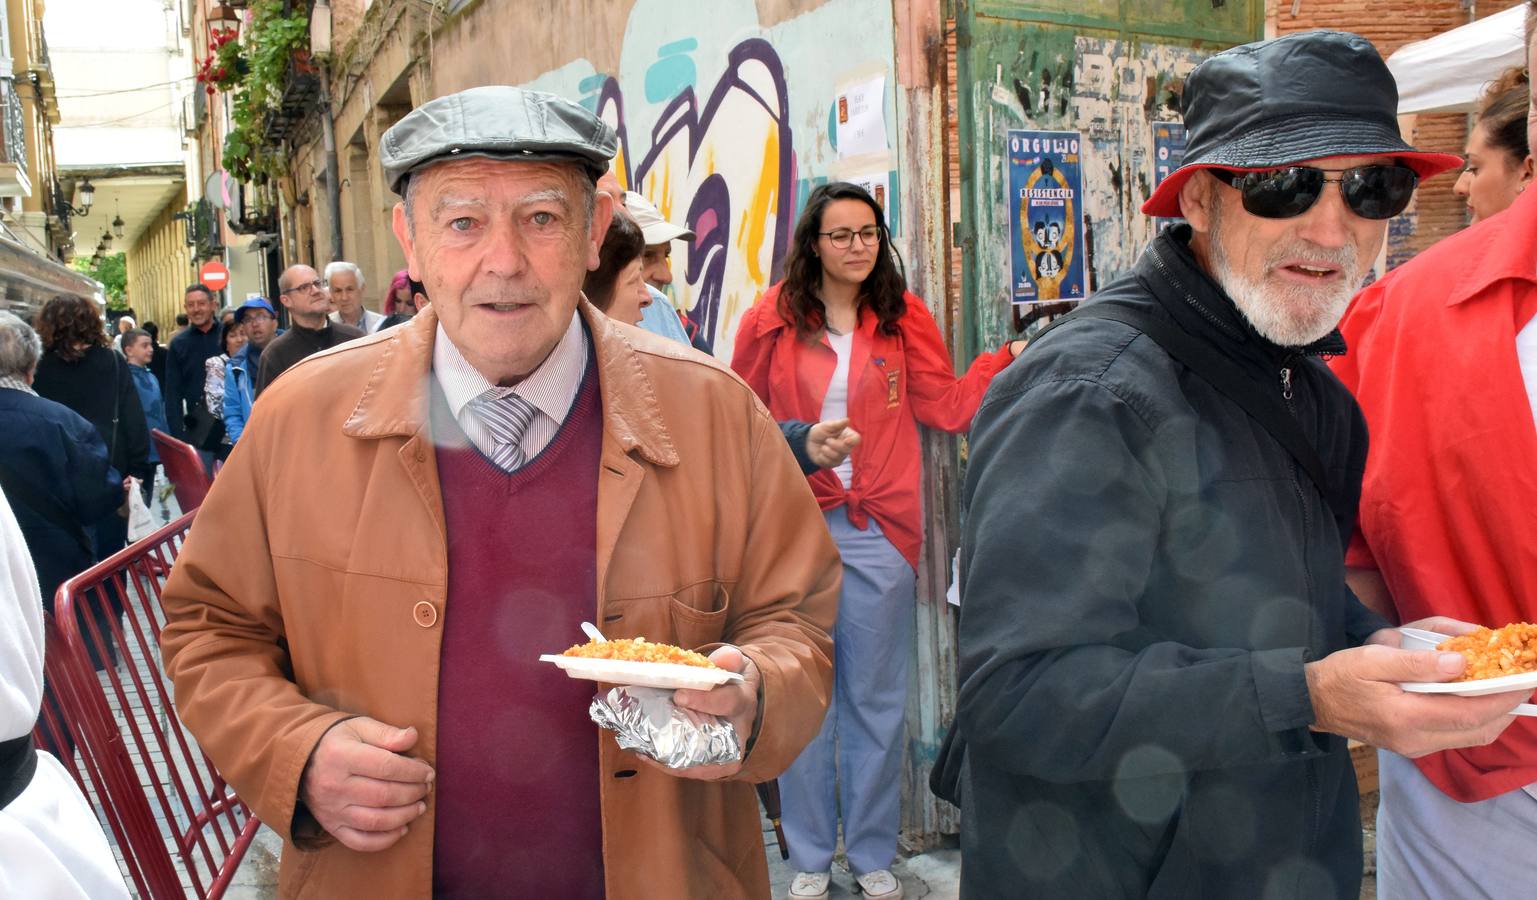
x=709 y=210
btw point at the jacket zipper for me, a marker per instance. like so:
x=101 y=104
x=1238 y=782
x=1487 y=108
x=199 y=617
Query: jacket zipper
x=1289 y=395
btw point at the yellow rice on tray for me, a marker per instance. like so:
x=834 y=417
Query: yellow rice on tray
x=1494 y=653
x=640 y=650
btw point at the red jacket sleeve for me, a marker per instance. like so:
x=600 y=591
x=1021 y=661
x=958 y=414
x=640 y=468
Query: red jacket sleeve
x=752 y=352
x=940 y=399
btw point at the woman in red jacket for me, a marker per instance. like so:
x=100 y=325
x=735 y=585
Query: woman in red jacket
x=840 y=337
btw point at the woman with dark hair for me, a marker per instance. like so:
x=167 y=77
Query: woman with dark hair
x=617 y=286
x=1500 y=164
x=80 y=369
x=842 y=337
x=232 y=338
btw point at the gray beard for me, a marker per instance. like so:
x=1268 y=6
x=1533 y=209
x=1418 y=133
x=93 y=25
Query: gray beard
x=1289 y=315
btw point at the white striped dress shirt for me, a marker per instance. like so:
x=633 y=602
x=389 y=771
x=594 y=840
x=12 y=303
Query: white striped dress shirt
x=551 y=389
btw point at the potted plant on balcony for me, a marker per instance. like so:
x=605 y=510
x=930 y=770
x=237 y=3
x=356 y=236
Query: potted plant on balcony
x=272 y=40
x=225 y=65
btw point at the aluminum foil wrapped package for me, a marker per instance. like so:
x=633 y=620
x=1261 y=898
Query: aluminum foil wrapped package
x=646 y=721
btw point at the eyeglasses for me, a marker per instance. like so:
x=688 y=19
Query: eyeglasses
x=318 y=284
x=843 y=238
x=1371 y=192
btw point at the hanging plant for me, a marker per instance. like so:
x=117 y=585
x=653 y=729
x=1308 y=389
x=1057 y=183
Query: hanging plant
x=259 y=69
x=225 y=65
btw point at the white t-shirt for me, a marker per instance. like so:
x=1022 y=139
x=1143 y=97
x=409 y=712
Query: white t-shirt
x=50 y=842
x=836 y=404
x=1526 y=352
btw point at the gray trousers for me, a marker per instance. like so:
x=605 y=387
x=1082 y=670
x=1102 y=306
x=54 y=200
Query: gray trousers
x=1431 y=847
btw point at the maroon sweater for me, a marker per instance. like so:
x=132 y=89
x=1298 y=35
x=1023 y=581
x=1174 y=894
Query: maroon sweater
x=517 y=765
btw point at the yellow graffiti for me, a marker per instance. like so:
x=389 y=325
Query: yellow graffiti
x=765 y=202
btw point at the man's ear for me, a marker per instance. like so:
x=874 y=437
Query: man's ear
x=1196 y=197
x=602 y=217
x=403 y=235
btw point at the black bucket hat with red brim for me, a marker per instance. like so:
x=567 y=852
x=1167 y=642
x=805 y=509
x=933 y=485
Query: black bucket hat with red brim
x=1299 y=98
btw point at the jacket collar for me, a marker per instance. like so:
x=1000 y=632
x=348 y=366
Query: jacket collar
x=396 y=395
x=1502 y=249
x=1199 y=304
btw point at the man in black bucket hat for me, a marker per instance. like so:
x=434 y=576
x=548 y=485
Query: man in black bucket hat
x=1155 y=698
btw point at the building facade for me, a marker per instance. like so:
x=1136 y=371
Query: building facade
x=123 y=71
x=29 y=110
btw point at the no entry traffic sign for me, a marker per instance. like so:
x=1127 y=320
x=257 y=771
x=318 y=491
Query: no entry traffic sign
x=214 y=274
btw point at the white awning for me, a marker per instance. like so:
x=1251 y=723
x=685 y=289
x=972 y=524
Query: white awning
x=1448 y=72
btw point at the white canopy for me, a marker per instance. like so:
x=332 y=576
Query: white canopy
x=1448 y=72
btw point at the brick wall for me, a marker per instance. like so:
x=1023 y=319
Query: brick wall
x=1389 y=24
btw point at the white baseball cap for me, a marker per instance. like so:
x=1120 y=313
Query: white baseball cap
x=654 y=228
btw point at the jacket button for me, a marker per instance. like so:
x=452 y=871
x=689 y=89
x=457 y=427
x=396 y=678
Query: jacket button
x=425 y=613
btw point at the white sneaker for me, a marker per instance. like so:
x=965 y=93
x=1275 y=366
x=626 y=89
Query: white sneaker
x=809 y=886
x=880 y=885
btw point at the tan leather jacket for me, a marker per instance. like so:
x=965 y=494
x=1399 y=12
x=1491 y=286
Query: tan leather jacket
x=312 y=588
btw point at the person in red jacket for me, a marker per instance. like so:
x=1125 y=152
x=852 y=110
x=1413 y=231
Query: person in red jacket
x=1443 y=360
x=842 y=337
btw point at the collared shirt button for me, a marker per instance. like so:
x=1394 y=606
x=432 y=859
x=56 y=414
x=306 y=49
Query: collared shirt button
x=425 y=613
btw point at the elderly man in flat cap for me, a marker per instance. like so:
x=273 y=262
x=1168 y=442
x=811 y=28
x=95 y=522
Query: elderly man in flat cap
x=1156 y=695
x=378 y=700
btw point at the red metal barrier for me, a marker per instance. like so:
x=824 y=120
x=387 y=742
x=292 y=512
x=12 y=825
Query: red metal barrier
x=156 y=792
x=183 y=468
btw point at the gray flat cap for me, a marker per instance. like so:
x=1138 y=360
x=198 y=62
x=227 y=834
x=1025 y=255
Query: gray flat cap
x=496 y=122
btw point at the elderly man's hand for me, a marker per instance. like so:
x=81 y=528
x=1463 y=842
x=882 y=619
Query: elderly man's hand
x=1355 y=694
x=829 y=443
x=736 y=702
x=361 y=788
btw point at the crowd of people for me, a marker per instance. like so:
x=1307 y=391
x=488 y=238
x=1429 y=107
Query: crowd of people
x=1183 y=565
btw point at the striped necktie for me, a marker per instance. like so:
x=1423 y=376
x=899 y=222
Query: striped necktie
x=506 y=416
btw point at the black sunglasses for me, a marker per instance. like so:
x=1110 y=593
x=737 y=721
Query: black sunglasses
x=1371 y=192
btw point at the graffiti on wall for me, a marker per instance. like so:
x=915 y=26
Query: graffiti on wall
x=723 y=167
x=716 y=131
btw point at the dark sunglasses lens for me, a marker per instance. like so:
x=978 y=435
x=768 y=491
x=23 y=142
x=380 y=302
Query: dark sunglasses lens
x=1281 y=194
x=1379 y=192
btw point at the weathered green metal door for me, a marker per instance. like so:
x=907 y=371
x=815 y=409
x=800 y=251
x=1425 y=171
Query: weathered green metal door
x=1108 y=69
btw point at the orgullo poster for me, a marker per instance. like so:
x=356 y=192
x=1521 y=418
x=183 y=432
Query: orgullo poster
x=1046 y=216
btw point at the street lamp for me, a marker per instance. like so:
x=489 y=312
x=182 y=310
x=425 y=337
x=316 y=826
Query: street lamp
x=223 y=20
x=117 y=220
x=87 y=195
x=106 y=241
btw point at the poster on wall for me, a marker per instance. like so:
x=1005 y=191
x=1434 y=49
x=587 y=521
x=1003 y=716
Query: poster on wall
x=879 y=186
x=1168 y=154
x=1046 y=216
x=861 y=118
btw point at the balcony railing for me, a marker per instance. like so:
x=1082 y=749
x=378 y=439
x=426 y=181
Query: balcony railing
x=13 y=141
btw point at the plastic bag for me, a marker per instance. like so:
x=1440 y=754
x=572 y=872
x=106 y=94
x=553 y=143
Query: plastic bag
x=140 y=523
